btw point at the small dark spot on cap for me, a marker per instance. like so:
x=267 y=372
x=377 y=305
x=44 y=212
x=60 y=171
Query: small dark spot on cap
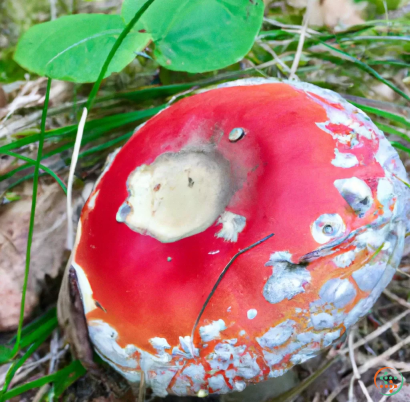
x=157 y=187
x=98 y=304
x=190 y=182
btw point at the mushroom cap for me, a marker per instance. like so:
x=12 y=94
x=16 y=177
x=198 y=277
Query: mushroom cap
x=209 y=176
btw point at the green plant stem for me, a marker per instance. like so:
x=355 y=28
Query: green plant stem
x=114 y=49
x=42 y=167
x=32 y=216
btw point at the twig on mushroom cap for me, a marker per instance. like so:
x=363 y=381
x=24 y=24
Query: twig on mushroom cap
x=219 y=281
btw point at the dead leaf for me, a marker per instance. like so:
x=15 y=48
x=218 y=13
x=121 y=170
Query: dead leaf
x=47 y=253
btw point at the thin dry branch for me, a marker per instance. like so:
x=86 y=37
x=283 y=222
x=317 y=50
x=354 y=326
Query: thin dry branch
x=385 y=355
x=275 y=57
x=356 y=374
x=397 y=299
x=298 y=54
x=376 y=333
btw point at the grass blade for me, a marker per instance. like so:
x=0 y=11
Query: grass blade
x=17 y=364
x=39 y=322
x=383 y=113
x=62 y=378
x=42 y=167
x=32 y=217
x=100 y=126
x=400 y=146
x=92 y=131
x=393 y=131
x=368 y=69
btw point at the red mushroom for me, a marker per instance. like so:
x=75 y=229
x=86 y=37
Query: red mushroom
x=212 y=175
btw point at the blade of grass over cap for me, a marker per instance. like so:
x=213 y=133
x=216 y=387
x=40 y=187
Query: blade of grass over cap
x=392 y=131
x=383 y=113
x=400 y=146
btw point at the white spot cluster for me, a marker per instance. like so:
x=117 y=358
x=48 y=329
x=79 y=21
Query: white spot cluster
x=212 y=331
x=284 y=339
x=232 y=225
x=287 y=279
x=368 y=276
x=159 y=369
x=345 y=259
x=183 y=374
x=340 y=292
x=191 y=379
x=227 y=355
x=344 y=160
x=278 y=335
x=188 y=350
